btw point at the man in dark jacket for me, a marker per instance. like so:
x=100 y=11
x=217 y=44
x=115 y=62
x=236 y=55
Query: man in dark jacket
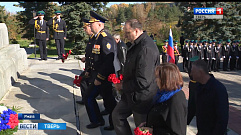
x=60 y=32
x=121 y=51
x=42 y=33
x=212 y=106
x=138 y=86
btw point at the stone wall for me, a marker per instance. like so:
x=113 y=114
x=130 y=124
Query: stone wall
x=13 y=61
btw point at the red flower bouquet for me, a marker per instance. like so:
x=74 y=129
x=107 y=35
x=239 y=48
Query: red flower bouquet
x=77 y=80
x=65 y=56
x=112 y=78
x=140 y=131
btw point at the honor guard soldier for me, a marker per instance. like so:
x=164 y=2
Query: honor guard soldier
x=213 y=54
x=205 y=53
x=176 y=52
x=60 y=33
x=185 y=56
x=191 y=54
x=239 y=55
x=87 y=71
x=104 y=54
x=226 y=49
x=233 y=55
x=200 y=50
x=164 y=51
x=41 y=34
x=210 y=56
x=195 y=47
x=218 y=56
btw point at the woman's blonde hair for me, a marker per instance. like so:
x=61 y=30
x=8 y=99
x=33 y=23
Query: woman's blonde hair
x=169 y=77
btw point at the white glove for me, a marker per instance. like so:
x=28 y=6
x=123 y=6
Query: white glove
x=230 y=57
x=207 y=58
x=224 y=57
x=221 y=58
x=213 y=58
x=202 y=58
x=237 y=57
x=187 y=58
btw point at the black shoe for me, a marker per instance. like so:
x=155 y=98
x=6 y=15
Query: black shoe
x=104 y=112
x=109 y=128
x=95 y=125
x=57 y=59
x=80 y=102
x=45 y=59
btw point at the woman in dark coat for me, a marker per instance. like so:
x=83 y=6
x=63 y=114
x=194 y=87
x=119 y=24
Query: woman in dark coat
x=168 y=116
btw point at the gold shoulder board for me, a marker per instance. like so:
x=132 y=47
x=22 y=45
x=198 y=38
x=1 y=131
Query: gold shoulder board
x=103 y=34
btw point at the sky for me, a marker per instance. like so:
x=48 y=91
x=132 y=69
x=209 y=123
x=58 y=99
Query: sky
x=10 y=8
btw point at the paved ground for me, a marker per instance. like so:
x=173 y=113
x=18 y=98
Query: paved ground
x=46 y=88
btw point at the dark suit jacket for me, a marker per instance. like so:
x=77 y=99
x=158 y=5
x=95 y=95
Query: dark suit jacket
x=212 y=108
x=169 y=117
x=61 y=26
x=44 y=27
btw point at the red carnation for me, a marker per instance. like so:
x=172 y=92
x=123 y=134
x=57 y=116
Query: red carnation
x=70 y=52
x=139 y=131
x=13 y=121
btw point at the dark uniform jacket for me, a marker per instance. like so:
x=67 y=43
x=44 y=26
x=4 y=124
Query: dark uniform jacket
x=191 y=52
x=88 y=51
x=169 y=117
x=212 y=108
x=139 y=85
x=60 y=29
x=218 y=52
x=205 y=52
x=210 y=52
x=233 y=52
x=200 y=52
x=185 y=52
x=102 y=56
x=226 y=51
x=42 y=31
x=121 y=54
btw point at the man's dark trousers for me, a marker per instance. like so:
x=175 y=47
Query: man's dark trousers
x=83 y=85
x=42 y=48
x=93 y=111
x=60 y=47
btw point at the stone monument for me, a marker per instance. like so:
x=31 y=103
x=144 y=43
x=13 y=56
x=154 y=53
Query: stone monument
x=13 y=61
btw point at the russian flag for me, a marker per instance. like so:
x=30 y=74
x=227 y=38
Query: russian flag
x=170 y=49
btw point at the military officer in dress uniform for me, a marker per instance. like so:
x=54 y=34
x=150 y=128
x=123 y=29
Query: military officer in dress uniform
x=104 y=54
x=176 y=52
x=226 y=49
x=210 y=55
x=60 y=33
x=205 y=53
x=213 y=55
x=185 y=56
x=218 y=56
x=164 y=51
x=233 y=55
x=88 y=50
x=195 y=47
x=200 y=50
x=191 y=54
x=42 y=33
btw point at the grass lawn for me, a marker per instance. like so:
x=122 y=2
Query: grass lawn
x=51 y=51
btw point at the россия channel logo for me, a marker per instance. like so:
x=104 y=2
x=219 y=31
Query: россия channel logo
x=208 y=11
